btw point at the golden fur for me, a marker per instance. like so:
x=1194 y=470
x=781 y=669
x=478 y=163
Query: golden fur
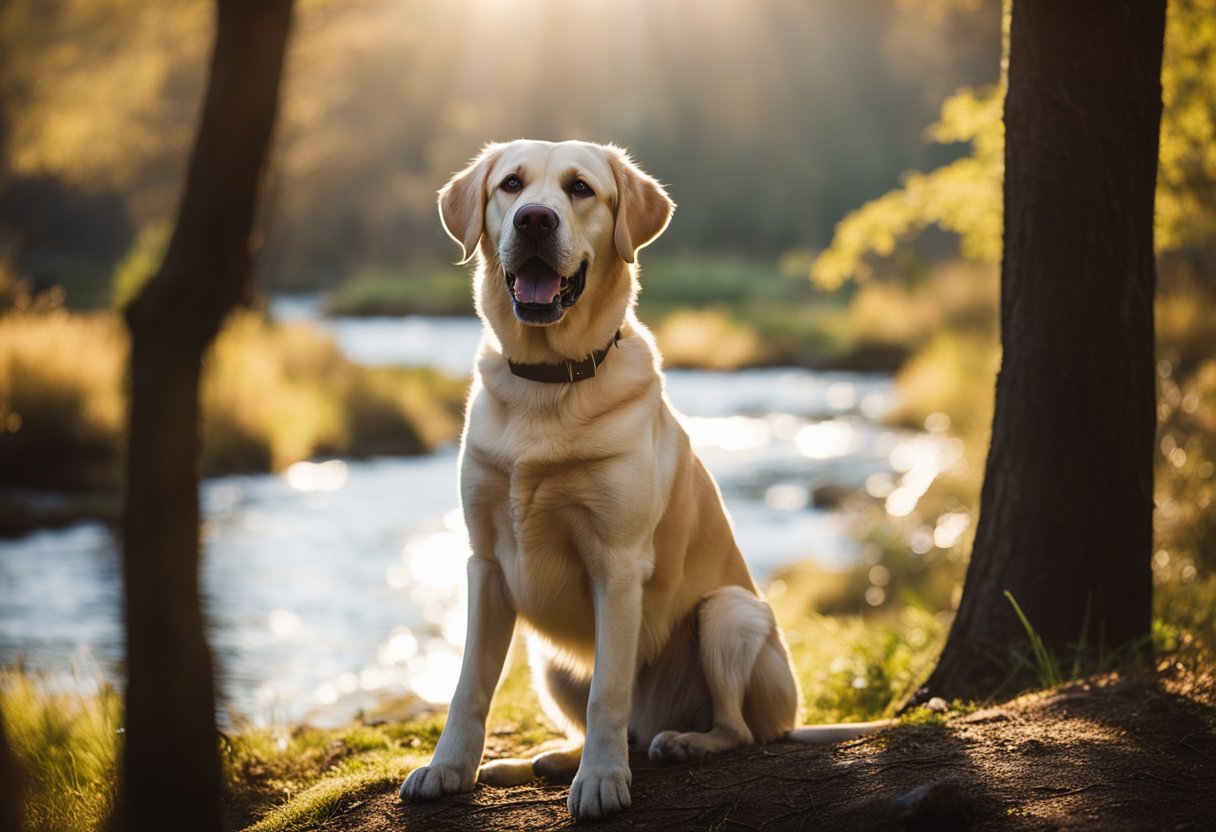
x=591 y=519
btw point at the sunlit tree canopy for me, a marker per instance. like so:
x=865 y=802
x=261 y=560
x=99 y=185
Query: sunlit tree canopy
x=964 y=197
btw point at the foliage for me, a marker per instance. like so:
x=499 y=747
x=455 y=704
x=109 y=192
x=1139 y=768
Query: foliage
x=1185 y=530
x=1186 y=175
x=728 y=312
x=851 y=669
x=272 y=395
x=953 y=374
x=910 y=313
x=99 y=98
x=417 y=291
x=965 y=196
x=61 y=397
x=708 y=339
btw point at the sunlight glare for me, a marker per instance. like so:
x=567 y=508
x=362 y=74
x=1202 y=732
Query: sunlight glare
x=317 y=476
x=826 y=440
x=438 y=560
x=841 y=395
x=398 y=648
x=435 y=676
x=284 y=623
x=950 y=528
x=921 y=460
x=730 y=433
x=786 y=496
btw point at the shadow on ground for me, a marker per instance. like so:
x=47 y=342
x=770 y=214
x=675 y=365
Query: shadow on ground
x=1111 y=753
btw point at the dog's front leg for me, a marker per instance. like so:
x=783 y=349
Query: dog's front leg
x=601 y=787
x=458 y=753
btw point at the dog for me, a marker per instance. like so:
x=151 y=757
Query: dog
x=590 y=518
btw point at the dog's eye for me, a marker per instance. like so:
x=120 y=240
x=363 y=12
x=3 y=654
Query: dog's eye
x=580 y=188
x=512 y=184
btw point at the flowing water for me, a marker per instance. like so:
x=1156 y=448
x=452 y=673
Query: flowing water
x=339 y=582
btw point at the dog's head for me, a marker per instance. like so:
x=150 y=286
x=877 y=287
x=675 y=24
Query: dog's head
x=557 y=227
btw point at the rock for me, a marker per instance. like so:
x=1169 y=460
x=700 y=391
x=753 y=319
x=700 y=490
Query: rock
x=944 y=806
x=830 y=495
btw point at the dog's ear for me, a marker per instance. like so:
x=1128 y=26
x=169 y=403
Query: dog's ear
x=643 y=208
x=462 y=201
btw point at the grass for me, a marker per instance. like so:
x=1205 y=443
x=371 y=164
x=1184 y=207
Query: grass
x=272 y=395
x=61 y=401
x=1046 y=666
x=728 y=312
x=284 y=779
x=851 y=666
x=433 y=290
x=298 y=779
x=68 y=745
x=709 y=312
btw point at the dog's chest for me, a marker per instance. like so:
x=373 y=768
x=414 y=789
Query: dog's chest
x=541 y=550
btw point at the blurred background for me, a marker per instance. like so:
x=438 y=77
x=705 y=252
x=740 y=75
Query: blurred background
x=825 y=298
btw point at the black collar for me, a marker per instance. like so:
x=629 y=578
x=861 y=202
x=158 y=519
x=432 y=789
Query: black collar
x=566 y=372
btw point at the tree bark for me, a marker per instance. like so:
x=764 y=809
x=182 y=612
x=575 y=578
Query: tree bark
x=12 y=784
x=171 y=769
x=1066 y=509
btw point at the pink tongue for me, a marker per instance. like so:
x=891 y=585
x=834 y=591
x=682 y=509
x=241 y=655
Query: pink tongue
x=537 y=283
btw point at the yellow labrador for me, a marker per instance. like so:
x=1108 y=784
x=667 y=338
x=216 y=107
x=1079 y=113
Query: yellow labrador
x=590 y=517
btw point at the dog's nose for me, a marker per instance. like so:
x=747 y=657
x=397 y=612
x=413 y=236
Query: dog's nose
x=535 y=221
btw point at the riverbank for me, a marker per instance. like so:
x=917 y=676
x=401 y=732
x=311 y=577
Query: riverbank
x=272 y=395
x=339 y=581
x=726 y=313
x=1116 y=750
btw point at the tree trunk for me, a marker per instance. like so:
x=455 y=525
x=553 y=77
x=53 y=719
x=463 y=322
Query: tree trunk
x=171 y=767
x=12 y=784
x=1066 y=511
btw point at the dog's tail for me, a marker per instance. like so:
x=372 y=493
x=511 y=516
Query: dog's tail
x=827 y=734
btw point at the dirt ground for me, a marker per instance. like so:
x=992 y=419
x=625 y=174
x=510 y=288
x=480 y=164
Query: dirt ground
x=1111 y=753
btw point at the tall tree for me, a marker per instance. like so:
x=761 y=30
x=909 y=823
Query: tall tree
x=1066 y=510
x=171 y=767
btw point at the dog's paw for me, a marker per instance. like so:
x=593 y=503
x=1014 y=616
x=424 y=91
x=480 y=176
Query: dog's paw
x=503 y=773
x=671 y=747
x=599 y=794
x=434 y=781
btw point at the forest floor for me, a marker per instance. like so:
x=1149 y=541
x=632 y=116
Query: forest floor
x=1115 y=752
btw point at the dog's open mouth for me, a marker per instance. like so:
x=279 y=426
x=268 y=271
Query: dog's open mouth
x=541 y=296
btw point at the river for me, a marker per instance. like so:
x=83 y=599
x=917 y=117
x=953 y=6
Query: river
x=340 y=582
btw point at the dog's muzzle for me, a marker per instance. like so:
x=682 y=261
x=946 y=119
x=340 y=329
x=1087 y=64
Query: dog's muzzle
x=540 y=295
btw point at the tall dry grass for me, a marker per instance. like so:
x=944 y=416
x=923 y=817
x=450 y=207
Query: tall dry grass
x=67 y=747
x=271 y=395
x=61 y=398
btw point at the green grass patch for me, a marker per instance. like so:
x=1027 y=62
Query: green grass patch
x=436 y=290
x=294 y=779
x=852 y=669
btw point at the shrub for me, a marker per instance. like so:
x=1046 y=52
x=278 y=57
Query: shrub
x=271 y=395
x=61 y=398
